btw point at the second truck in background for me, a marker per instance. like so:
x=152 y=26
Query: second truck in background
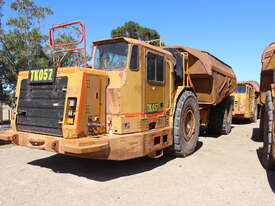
x=247 y=103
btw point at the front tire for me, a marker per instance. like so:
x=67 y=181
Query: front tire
x=267 y=157
x=186 y=124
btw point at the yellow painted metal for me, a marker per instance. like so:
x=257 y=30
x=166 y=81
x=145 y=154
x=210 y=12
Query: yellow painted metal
x=185 y=68
x=81 y=83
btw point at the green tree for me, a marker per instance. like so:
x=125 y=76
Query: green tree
x=134 y=30
x=22 y=44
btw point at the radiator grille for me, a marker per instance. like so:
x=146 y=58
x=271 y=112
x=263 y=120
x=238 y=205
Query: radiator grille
x=41 y=107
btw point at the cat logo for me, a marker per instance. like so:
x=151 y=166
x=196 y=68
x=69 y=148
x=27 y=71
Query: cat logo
x=45 y=75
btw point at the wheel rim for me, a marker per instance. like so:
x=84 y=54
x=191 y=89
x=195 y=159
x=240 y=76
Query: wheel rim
x=189 y=125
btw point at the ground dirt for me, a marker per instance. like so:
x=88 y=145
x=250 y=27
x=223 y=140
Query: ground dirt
x=224 y=170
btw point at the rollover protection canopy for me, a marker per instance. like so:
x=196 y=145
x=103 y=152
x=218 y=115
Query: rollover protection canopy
x=212 y=79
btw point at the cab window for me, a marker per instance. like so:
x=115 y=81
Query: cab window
x=155 y=68
x=241 y=89
x=134 y=58
x=111 y=56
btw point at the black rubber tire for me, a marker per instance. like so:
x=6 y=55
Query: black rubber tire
x=220 y=120
x=255 y=115
x=261 y=133
x=267 y=157
x=187 y=102
x=260 y=110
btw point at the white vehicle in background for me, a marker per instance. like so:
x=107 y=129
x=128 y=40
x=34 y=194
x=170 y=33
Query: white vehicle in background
x=5 y=114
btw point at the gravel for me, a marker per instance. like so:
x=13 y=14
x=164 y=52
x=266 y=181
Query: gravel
x=224 y=170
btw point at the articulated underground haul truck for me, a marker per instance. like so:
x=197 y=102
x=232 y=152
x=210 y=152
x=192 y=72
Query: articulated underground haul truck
x=134 y=100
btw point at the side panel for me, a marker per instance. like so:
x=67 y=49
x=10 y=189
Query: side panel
x=95 y=105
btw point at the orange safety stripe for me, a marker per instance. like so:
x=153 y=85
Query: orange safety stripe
x=138 y=114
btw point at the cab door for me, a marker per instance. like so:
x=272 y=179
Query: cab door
x=154 y=84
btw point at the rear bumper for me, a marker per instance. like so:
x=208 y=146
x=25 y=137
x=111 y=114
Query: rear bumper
x=55 y=144
x=113 y=147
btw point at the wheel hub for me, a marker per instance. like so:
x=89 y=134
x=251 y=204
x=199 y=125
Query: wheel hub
x=189 y=125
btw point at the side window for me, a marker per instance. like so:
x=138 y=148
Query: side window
x=155 y=67
x=160 y=68
x=151 y=66
x=134 y=58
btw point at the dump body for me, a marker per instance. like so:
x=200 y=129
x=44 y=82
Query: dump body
x=268 y=67
x=246 y=100
x=211 y=79
x=267 y=89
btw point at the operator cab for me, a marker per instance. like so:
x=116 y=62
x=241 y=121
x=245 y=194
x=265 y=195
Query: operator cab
x=139 y=83
x=241 y=89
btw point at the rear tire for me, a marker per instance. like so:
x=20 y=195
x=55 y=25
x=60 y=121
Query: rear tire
x=267 y=157
x=254 y=118
x=262 y=123
x=260 y=111
x=186 y=124
x=220 y=121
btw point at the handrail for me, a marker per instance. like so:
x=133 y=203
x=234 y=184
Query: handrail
x=53 y=45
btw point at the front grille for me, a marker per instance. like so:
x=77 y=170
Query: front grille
x=41 y=107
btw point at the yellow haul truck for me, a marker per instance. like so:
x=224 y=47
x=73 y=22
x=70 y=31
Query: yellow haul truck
x=136 y=100
x=246 y=101
x=267 y=123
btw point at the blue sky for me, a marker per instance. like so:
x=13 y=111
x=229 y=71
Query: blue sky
x=234 y=31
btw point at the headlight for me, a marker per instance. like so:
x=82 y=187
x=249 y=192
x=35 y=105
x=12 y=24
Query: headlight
x=70 y=113
x=72 y=102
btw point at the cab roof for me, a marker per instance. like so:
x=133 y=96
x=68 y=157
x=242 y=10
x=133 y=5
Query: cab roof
x=251 y=83
x=133 y=41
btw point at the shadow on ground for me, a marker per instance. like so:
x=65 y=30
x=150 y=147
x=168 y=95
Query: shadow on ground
x=271 y=179
x=207 y=134
x=256 y=135
x=241 y=121
x=102 y=170
x=99 y=170
x=4 y=142
x=269 y=173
